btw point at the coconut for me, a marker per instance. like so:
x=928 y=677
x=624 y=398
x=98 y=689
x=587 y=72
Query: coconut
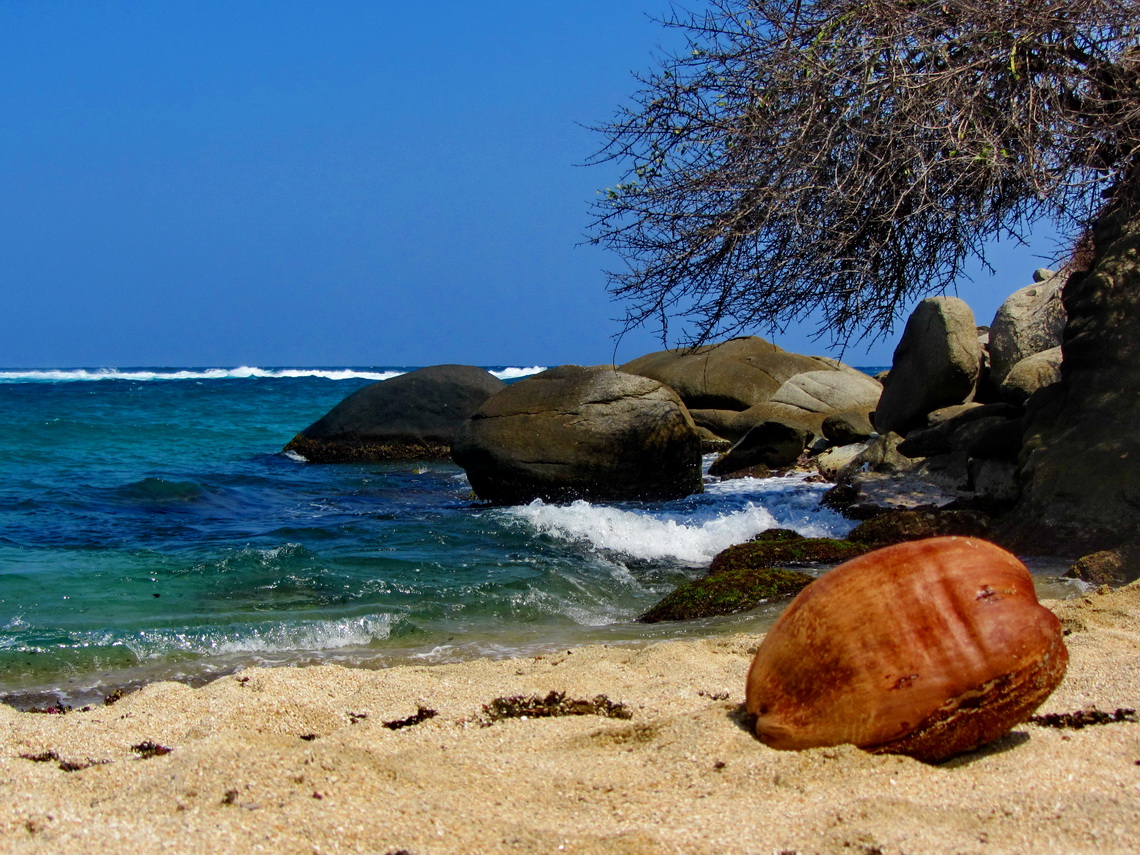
x=928 y=648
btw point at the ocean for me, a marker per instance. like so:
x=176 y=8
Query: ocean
x=151 y=528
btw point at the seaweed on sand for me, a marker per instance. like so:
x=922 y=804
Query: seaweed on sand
x=554 y=704
x=1083 y=718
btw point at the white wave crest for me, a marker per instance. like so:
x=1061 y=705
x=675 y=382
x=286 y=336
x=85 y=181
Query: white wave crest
x=516 y=373
x=242 y=372
x=642 y=535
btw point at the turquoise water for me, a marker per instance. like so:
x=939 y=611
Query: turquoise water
x=150 y=528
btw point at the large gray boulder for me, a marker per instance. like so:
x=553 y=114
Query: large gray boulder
x=734 y=424
x=1030 y=321
x=936 y=364
x=740 y=384
x=773 y=444
x=581 y=433
x=731 y=375
x=832 y=391
x=413 y=416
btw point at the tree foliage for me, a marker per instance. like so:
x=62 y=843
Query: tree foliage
x=847 y=156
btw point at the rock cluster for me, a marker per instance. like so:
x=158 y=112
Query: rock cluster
x=771 y=404
x=955 y=406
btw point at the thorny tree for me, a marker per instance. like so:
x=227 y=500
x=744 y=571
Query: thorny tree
x=847 y=156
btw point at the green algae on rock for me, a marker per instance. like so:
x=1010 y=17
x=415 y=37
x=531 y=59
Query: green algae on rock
x=727 y=592
x=780 y=547
x=748 y=574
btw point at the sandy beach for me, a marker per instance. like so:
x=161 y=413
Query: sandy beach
x=303 y=760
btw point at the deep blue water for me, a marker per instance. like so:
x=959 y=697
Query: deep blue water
x=150 y=528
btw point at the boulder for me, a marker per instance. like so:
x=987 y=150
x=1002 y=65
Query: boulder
x=936 y=364
x=899 y=526
x=581 y=433
x=774 y=444
x=734 y=424
x=833 y=391
x=832 y=462
x=731 y=375
x=847 y=427
x=965 y=427
x=1034 y=372
x=727 y=593
x=409 y=417
x=1114 y=567
x=1031 y=320
x=880 y=455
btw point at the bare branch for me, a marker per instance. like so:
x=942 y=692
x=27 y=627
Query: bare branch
x=847 y=156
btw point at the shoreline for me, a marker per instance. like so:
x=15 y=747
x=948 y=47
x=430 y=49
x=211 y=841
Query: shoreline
x=301 y=760
x=89 y=689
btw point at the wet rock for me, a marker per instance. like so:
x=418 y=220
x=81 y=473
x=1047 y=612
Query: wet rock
x=901 y=526
x=1113 y=567
x=727 y=593
x=774 y=444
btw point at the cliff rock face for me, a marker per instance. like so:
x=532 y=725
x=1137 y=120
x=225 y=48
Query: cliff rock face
x=1079 y=465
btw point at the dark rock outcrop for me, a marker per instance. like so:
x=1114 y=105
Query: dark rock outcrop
x=748 y=574
x=581 y=433
x=1080 y=468
x=900 y=526
x=1114 y=567
x=413 y=416
x=727 y=593
x=848 y=426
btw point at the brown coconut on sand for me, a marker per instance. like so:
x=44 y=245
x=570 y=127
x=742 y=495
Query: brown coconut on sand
x=301 y=760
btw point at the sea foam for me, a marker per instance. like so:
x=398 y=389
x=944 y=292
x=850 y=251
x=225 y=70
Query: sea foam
x=285 y=636
x=730 y=512
x=642 y=535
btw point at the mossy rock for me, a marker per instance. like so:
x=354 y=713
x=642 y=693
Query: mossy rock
x=899 y=526
x=727 y=593
x=745 y=575
x=781 y=548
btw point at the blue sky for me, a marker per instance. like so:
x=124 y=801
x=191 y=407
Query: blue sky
x=344 y=183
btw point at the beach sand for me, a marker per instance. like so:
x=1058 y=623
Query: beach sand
x=681 y=775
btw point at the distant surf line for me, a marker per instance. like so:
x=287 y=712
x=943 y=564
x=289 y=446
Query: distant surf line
x=245 y=372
